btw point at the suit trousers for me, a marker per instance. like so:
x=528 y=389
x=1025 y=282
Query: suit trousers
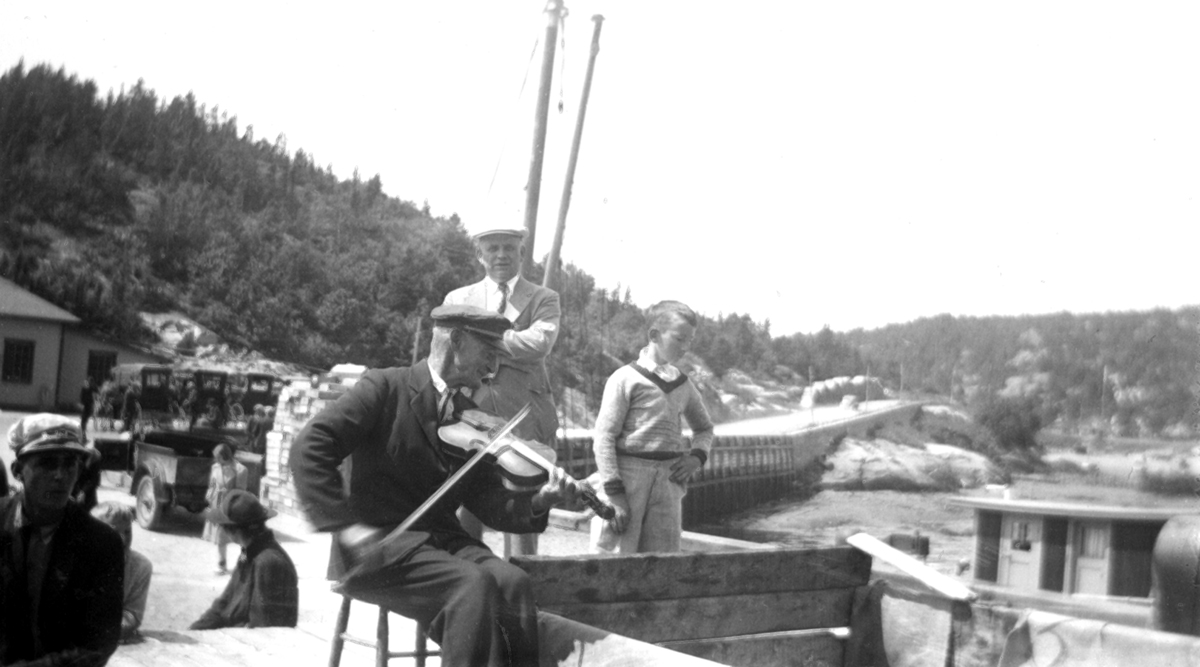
x=479 y=609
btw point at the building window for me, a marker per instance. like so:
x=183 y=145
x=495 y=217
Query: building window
x=100 y=364
x=18 y=361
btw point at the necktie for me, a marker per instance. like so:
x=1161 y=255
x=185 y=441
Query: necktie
x=446 y=409
x=503 y=298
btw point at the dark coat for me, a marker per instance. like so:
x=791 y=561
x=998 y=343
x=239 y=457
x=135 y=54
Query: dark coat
x=79 y=617
x=262 y=592
x=386 y=425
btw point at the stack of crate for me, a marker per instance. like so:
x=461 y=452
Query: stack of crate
x=298 y=402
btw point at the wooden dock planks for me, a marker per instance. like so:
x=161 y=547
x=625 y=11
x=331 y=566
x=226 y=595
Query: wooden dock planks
x=597 y=579
x=788 y=606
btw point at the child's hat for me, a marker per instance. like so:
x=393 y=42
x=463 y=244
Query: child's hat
x=240 y=508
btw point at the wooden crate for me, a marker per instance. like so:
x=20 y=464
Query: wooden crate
x=765 y=607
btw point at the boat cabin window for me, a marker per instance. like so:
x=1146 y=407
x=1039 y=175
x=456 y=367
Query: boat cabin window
x=1093 y=541
x=1020 y=536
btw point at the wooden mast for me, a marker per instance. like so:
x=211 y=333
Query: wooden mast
x=533 y=188
x=551 y=277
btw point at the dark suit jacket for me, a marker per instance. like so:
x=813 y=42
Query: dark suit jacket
x=80 y=610
x=386 y=425
x=522 y=376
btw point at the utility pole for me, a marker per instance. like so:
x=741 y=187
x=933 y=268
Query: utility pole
x=416 y=351
x=1103 y=391
x=533 y=188
x=551 y=276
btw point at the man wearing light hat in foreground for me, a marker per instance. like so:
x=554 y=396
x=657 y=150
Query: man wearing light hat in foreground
x=263 y=590
x=479 y=608
x=61 y=570
x=521 y=376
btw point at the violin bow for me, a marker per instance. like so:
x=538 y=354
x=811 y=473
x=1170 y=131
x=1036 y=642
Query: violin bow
x=466 y=468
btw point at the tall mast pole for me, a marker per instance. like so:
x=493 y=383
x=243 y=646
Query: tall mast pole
x=533 y=188
x=551 y=276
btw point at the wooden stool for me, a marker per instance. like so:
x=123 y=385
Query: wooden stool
x=383 y=652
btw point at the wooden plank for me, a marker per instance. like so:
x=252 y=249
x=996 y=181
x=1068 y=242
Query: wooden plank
x=625 y=578
x=565 y=643
x=947 y=586
x=812 y=649
x=711 y=617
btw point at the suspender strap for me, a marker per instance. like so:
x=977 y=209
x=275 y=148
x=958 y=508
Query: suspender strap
x=666 y=387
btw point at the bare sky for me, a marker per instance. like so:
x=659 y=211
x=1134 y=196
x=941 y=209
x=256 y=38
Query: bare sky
x=810 y=163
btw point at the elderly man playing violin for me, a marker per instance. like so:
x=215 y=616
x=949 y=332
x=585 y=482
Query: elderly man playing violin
x=478 y=607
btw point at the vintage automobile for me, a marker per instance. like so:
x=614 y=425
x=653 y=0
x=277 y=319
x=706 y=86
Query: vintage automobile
x=211 y=397
x=261 y=389
x=157 y=399
x=170 y=468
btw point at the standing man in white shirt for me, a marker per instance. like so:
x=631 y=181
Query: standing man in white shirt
x=521 y=377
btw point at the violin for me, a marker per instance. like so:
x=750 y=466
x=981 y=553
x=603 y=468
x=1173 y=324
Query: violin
x=522 y=464
x=477 y=437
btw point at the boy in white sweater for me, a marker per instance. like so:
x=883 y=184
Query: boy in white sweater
x=643 y=459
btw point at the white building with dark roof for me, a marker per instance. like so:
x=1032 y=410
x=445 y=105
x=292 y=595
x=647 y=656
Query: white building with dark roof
x=46 y=356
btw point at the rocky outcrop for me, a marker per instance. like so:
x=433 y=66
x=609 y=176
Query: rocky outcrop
x=874 y=465
x=193 y=347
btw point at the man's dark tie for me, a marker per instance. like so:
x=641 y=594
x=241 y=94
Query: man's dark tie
x=503 y=298
x=446 y=408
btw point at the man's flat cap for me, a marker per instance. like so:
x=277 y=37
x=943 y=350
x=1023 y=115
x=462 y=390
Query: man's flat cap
x=46 y=432
x=488 y=325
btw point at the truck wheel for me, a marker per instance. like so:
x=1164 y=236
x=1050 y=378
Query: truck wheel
x=149 y=509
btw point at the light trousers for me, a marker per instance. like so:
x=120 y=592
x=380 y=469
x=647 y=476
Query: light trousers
x=655 y=510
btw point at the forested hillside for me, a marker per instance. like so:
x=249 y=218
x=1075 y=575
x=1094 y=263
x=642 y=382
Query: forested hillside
x=115 y=204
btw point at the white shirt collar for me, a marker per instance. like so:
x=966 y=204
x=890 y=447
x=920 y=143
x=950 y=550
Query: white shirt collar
x=442 y=387
x=664 y=371
x=438 y=382
x=494 y=286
